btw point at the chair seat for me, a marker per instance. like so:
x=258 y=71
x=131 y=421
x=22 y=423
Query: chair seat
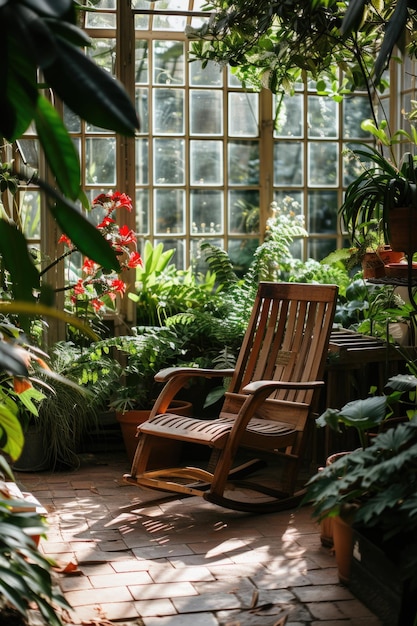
x=212 y=432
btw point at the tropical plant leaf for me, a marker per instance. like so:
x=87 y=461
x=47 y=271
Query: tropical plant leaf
x=18 y=262
x=90 y=92
x=11 y=434
x=39 y=310
x=59 y=148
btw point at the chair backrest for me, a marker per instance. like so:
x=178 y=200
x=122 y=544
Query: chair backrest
x=286 y=339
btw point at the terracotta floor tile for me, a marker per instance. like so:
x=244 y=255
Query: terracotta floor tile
x=153 y=559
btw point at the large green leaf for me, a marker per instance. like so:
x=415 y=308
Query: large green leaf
x=19 y=92
x=59 y=148
x=11 y=360
x=11 y=433
x=39 y=310
x=24 y=276
x=90 y=92
x=53 y=8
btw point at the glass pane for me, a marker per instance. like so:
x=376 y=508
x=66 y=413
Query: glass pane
x=169 y=162
x=355 y=110
x=103 y=53
x=141 y=21
x=322 y=211
x=169 y=211
x=169 y=22
x=241 y=254
x=288 y=163
x=168 y=63
x=318 y=249
x=352 y=166
x=142 y=109
x=142 y=163
x=206 y=162
x=30 y=213
x=206 y=112
x=142 y=211
x=197 y=260
x=211 y=75
x=178 y=258
x=322 y=163
x=244 y=211
x=141 y=62
x=243 y=114
x=95 y=19
x=243 y=162
x=289 y=115
x=322 y=117
x=283 y=196
x=168 y=114
x=206 y=212
x=29 y=151
x=232 y=79
x=100 y=160
x=71 y=120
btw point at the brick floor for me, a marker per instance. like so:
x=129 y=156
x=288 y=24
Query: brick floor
x=144 y=559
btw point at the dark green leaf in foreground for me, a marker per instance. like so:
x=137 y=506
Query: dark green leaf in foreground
x=59 y=148
x=24 y=276
x=90 y=92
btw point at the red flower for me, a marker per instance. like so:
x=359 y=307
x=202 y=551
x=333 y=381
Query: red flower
x=66 y=240
x=79 y=287
x=122 y=200
x=118 y=286
x=89 y=267
x=107 y=221
x=135 y=260
x=126 y=235
x=97 y=304
x=101 y=199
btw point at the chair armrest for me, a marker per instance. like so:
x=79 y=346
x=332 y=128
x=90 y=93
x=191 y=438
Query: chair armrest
x=191 y=372
x=271 y=385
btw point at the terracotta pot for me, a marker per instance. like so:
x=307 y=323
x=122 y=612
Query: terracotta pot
x=343 y=547
x=402 y=228
x=326 y=524
x=372 y=265
x=388 y=255
x=168 y=452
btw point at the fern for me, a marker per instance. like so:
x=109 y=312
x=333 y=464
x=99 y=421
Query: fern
x=219 y=262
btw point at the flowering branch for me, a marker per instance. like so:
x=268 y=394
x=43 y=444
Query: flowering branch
x=95 y=286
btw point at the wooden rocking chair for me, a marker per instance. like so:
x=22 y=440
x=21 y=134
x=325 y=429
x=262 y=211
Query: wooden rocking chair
x=273 y=391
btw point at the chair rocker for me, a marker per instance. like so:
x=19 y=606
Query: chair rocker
x=266 y=412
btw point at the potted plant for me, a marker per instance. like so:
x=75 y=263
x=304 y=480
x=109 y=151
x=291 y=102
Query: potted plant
x=378 y=486
x=381 y=197
x=120 y=372
x=367 y=417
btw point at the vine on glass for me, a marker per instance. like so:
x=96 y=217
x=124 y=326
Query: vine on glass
x=93 y=287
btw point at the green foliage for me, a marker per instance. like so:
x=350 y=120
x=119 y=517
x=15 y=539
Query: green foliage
x=162 y=290
x=379 y=485
x=369 y=309
x=382 y=184
x=25 y=575
x=273 y=44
